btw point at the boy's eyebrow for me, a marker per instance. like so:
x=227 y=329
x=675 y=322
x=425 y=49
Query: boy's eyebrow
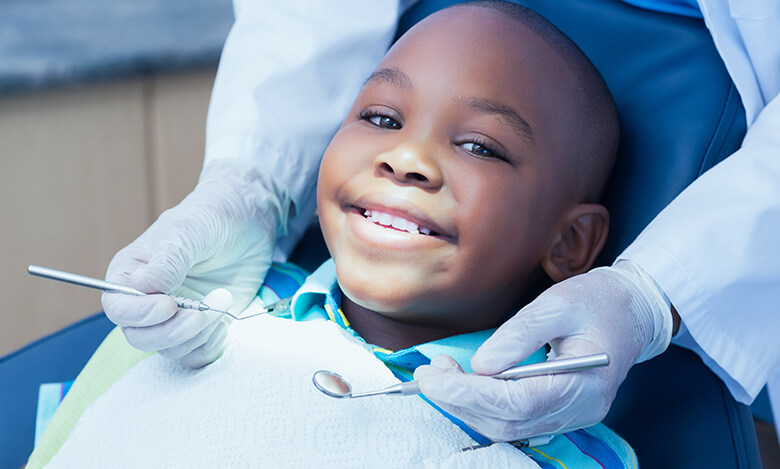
x=392 y=76
x=489 y=106
x=397 y=78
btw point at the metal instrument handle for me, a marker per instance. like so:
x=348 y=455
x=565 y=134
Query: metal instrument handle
x=82 y=280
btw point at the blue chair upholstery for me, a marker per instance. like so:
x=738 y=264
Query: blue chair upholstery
x=680 y=114
x=55 y=358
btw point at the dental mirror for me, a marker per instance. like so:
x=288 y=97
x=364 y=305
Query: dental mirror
x=333 y=385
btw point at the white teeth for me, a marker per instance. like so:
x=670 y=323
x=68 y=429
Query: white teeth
x=405 y=225
x=399 y=223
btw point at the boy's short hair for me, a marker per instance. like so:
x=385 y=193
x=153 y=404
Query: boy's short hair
x=597 y=142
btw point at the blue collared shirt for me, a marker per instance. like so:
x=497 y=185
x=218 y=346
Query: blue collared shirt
x=319 y=298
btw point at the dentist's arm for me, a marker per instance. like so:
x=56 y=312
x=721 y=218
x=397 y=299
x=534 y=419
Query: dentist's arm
x=288 y=74
x=714 y=252
x=287 y=77
x=616 y=310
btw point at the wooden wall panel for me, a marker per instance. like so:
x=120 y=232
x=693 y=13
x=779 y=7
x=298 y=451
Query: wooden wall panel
x=177 y=116
x=84 y=172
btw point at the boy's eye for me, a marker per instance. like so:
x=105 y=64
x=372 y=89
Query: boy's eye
x=380 y=120
x=384 y=122
x=483 y=150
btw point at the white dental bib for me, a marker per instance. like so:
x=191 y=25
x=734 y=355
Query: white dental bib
x=257 y=407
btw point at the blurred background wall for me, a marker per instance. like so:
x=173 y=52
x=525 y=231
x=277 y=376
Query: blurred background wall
x=102 y=124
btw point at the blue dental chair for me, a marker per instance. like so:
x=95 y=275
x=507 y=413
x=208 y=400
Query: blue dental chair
x=680 y=115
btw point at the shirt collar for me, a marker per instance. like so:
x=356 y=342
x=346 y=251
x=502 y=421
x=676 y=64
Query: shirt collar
x=316 y=289
x=320 y=298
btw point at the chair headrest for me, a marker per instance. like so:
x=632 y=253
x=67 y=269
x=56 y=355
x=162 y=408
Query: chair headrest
x=680 y=113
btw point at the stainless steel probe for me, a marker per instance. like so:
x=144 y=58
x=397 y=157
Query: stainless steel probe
x=98 y=284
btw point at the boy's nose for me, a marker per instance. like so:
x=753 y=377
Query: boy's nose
x=410 y=165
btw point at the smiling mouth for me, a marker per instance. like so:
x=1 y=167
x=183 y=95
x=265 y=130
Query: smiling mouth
x=395 y=222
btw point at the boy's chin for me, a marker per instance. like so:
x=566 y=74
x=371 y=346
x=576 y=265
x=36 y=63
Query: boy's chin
x=389 y=305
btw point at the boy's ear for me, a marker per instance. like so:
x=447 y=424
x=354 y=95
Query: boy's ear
x=581 y=238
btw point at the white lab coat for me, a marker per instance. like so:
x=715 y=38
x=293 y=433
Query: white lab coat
x=715 y=250
x=287 y=79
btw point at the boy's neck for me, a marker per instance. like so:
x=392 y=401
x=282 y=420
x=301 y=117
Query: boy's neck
x=389 y=333
x=395 y=335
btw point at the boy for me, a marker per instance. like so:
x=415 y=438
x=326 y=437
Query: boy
x=467 y=171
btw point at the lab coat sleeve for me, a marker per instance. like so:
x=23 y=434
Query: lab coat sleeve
x=715 y=251
x=288 y=74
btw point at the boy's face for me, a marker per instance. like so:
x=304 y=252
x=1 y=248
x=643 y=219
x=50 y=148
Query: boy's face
x=440 y=193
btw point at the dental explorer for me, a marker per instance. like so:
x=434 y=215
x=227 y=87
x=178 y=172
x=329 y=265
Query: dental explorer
x=112 y=287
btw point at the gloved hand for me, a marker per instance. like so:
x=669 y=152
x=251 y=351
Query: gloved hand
x=221 y=235
x=618 y=310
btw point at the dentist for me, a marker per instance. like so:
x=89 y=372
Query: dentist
x=286 y=79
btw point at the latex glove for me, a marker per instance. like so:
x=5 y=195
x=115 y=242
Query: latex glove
x=618 y=310
x=220 y=235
